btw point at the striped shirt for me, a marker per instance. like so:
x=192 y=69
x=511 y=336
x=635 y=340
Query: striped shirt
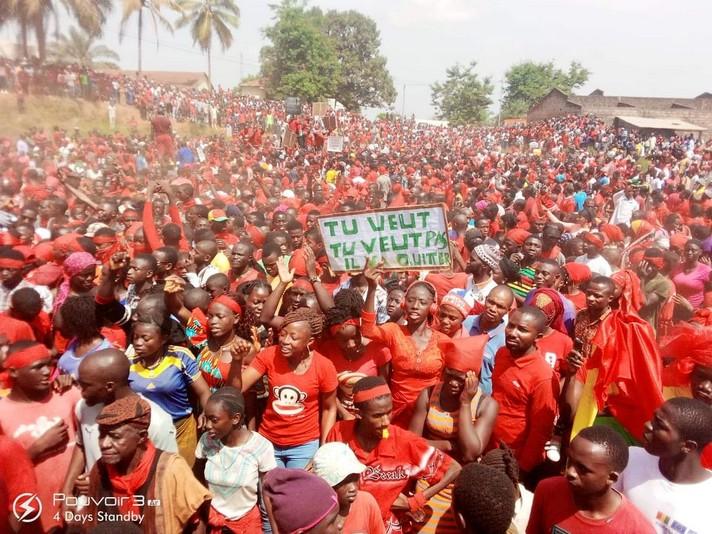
x=168 y=383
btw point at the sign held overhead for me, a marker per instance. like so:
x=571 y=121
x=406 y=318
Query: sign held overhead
x=405 y=238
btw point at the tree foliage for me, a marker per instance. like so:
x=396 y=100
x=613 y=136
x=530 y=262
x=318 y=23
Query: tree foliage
x=527 y=82
x=316 y=55
x=35 y=15
x=365 y=80
x=300 y=61
x=463 y=98
x=80 y=47
x=207 y=19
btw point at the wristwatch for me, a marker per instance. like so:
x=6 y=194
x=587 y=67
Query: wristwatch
x=314 y=279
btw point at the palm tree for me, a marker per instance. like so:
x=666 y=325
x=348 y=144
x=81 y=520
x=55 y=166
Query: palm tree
x=206 y=17
x=154 y=10
x=79 y=47
x=34 y=15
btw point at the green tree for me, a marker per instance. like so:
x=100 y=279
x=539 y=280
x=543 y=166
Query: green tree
x=526 y=83
x=153 y=7
x=209 y=18
x=300 y=59
x=463 y=98
x=80 y=47
x=365 y=80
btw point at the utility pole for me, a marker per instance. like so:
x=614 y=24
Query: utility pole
x=403 y=108
x=240 y=67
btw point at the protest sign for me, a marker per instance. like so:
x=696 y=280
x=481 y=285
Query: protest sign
x=292 y=105
x=330 y=123
x=289 y=139
x=406 y=238
x=319 y=109
x=335 y=143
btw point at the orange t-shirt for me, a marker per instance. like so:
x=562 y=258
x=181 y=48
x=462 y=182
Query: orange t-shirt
x=292 y=413
x=364 y=516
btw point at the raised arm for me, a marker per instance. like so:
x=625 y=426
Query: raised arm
x=473 y=436
x=271 y=305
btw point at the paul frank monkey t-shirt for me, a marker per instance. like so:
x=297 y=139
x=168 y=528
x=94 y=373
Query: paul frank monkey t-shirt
x=292 y=413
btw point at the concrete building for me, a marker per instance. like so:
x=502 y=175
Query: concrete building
x=254 y=87
x=692 y=113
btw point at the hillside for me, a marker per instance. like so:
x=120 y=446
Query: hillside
x=49 y=111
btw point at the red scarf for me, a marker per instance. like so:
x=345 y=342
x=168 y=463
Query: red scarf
x=127 y=485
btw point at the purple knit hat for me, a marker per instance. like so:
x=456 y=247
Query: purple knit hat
x=300 y=500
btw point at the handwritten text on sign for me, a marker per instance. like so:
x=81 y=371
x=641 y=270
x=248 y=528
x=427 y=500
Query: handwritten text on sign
x=407 y=238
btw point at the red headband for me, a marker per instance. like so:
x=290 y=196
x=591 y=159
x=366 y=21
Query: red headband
x=228 y=303
x=593 y=240
x=367 y=395
x=26 y=357
x=103 y=239
x=9 y=263
x=335 y=328
x=655 y=261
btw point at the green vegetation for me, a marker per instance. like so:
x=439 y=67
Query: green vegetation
x=316 y=55
x=526 y=83
x=463 y=98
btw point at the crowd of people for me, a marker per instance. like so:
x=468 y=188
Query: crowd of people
x=178 y=354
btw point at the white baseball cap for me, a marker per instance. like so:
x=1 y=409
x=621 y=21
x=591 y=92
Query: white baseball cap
x=335 y=461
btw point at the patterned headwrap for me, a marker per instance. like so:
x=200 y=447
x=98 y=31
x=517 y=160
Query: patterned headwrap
x=132 y=409
x=75 y=263
x=550 y=303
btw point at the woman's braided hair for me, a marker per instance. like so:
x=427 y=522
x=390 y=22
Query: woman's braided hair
x=314 y=319
x=502 y=458
x=348 y=304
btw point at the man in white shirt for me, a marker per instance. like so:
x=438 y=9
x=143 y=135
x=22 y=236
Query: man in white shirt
x=12 y=263
x=666 y=480
x=593 y=246
x=104 y=378
x=624 y=205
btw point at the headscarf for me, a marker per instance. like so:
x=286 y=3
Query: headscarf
x=550 y=303
x=612 y=232
x=229 y=303
x=457 y=301
x=591 y=239
x=689 y=345
x=631 y=298
x=75 y=263
x=578 y=273
x=518 y=236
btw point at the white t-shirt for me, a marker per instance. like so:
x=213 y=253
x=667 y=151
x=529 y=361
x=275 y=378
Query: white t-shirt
x=161 y=430
x=232 y=473
x=671 y=508
x=598 y=265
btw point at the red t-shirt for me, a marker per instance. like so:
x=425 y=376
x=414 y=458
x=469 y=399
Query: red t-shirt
x=396 y=461
x=445 y=282
x=18 y=477
x=14 y=330
x=364 y=516
x=554 y=511
x=292 y=413
x=555 y=348
x=348 y=372
x=526 y=390
x=25 y=422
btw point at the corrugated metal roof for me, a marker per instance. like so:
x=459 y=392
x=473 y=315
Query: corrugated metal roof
x=661 y=124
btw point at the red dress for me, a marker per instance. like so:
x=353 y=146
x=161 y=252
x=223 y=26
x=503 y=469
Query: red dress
x=412 y=370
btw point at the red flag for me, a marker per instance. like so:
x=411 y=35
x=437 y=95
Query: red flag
x=629 y=378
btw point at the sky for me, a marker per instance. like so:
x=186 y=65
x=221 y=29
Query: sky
x=631 y=47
